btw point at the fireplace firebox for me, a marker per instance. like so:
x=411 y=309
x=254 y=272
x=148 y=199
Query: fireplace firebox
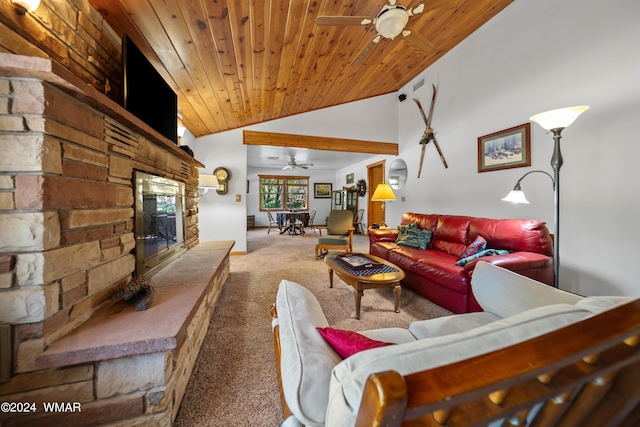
x=159 y=222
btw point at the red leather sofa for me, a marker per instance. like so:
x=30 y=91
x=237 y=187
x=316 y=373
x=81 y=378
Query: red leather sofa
x=433 y=272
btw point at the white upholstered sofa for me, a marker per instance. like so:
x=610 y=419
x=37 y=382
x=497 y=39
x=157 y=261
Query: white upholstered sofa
x=319 y=388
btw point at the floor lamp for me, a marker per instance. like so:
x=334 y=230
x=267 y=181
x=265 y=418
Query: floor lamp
x=554 y=121
x=382 y=194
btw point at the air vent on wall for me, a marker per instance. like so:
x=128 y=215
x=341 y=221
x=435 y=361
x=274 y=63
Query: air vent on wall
x=418 y=85
x=185 y=169
x=120 y=135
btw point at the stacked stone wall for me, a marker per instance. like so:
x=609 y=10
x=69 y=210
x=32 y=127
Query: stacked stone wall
x=71 y=32
x=66 y=223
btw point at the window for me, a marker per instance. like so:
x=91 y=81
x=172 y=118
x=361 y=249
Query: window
x=284 y=192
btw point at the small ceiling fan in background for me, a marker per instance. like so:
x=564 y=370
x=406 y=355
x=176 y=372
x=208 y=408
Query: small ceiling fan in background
x=292 y=164
x=390 y=22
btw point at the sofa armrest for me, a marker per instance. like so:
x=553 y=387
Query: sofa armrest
x=505 y=293
x=515 y=261
x=304 y=359
x=383 y=235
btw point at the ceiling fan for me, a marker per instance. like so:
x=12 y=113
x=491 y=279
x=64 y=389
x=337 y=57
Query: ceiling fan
x=390 y=22
x=292 y=164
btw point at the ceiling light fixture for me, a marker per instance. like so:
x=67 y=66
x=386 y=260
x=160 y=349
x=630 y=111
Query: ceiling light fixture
x=24 y=6
x=392 y=21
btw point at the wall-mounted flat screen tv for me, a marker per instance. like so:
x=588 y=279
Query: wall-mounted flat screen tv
x=146 y=94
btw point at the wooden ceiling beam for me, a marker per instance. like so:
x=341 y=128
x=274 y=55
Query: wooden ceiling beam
x=250 y=137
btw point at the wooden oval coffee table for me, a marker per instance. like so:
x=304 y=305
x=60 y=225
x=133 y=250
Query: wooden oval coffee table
x=360 y=280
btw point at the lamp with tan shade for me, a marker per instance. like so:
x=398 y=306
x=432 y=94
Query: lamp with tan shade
x=382 y=194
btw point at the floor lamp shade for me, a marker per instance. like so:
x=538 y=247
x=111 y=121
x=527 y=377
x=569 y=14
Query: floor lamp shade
x=560 y=118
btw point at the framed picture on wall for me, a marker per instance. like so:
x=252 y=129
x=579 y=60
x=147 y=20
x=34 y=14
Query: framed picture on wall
x=509 y=148
x=322 y=190
x=350 y=178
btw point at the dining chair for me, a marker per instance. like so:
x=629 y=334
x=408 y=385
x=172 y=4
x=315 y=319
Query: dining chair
x=357 y=222
x=293 y=223
x=312 y=218
x=298 y=221
x=272 y=221
x=339 y=233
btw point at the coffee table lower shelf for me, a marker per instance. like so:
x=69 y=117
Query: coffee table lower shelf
x=363 y=282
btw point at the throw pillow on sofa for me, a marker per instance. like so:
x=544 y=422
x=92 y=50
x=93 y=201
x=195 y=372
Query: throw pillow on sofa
x=346 y=343
x=414 y=238
x=480 y=244
x=404 y=228
x=486 y=252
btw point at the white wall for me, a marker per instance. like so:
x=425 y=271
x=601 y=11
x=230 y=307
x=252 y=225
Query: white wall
x=534 y=56
x=221 y=217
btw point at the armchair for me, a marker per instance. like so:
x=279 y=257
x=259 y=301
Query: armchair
x=339 y=233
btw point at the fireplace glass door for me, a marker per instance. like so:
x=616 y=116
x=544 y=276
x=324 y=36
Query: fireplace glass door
x=159 y=222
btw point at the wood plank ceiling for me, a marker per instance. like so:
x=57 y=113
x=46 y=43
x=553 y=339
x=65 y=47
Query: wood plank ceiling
x=240 y=62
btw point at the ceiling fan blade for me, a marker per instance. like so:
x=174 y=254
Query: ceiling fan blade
x=417 y=41
x=427 y=6
x=366 y=51
x=343 y=20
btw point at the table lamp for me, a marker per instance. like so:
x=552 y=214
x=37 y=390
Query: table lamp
x=382 y=194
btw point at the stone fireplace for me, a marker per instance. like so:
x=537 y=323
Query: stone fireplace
x=68 y=158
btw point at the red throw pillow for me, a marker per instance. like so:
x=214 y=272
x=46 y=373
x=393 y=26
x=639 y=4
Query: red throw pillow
x=346 y=343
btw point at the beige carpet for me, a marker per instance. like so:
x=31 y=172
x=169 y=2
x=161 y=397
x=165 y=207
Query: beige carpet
x=234 y=380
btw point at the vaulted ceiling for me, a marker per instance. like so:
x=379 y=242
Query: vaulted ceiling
x=240 y=62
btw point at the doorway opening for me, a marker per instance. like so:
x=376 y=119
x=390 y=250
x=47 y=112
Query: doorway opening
x=375 y=176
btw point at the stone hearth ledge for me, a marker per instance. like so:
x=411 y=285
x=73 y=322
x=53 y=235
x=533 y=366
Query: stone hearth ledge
x=120 y=331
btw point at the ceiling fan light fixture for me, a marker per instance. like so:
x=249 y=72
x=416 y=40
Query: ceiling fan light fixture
x=392 y=21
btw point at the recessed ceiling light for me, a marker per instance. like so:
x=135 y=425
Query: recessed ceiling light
x=273 y=157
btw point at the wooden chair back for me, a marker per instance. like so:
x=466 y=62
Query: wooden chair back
x=357 y=222
x=585 y=374
x=272 y=221
x=312 y=219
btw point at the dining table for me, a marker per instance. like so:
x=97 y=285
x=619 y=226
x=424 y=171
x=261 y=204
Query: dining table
x=293 y=222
